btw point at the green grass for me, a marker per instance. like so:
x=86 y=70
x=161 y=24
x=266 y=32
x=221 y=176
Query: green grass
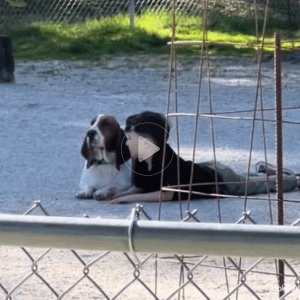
x=94 y=38
x=84 y=40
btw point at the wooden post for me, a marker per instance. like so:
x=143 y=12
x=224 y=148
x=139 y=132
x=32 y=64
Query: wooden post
x=7 y=65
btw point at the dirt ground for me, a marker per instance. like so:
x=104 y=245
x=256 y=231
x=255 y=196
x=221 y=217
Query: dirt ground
x=44 y=116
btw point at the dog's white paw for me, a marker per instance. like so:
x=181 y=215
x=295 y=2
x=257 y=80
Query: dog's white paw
x=84 y=194
x=105 y=194
x=99 y=195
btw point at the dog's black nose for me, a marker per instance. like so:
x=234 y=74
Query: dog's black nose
x=91 y=134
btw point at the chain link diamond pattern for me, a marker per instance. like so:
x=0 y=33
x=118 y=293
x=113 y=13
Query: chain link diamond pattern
x=146 y=276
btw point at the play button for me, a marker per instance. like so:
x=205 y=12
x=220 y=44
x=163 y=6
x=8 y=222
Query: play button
x=145 y=149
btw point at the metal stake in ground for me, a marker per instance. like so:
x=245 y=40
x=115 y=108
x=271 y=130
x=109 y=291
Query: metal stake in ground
x=278 y=105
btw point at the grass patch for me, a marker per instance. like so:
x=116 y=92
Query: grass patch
x=111 y=35
x=85 y=40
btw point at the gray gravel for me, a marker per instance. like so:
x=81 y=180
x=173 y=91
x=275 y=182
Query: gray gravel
x=45 y=114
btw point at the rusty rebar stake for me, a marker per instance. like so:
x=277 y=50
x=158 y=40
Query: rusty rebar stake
x=279 y=183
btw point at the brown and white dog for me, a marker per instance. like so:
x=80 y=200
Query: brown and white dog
x=107 y=171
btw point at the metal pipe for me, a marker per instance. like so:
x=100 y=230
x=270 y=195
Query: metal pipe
x=132 y=13
x=151 y=236
x=279 y=163
x=278 y=106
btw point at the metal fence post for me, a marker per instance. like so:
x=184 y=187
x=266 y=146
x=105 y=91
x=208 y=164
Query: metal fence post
x=132 y=13
x=278 y=105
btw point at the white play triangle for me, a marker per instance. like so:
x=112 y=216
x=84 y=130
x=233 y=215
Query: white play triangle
x=145 y=149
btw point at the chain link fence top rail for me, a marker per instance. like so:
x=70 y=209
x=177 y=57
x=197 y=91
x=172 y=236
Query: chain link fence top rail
x=72 y=11
x=31 y=273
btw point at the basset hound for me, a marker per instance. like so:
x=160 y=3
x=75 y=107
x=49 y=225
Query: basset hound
x=107 y=170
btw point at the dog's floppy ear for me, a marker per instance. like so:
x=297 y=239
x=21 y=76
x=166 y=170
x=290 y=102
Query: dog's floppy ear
x=86 y=152
x=111 y=131
x=123 y=153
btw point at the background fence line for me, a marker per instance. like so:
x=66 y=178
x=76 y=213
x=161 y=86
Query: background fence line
x=72 y=11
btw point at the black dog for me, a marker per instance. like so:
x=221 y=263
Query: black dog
x=7 y=65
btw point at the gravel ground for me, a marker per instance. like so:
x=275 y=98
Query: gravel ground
x=45 y=114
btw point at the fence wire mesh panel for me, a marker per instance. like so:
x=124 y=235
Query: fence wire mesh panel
x=28 y=11
x=31 y=273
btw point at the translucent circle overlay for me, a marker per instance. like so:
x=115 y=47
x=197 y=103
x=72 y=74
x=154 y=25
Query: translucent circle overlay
x=168 y=139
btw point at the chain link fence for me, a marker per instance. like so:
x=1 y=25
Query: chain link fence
x=25 y=11
x=31 y=273
x=71 y=11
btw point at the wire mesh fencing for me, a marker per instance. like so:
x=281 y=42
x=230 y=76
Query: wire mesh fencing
x=31 y=273
x=72 y=11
